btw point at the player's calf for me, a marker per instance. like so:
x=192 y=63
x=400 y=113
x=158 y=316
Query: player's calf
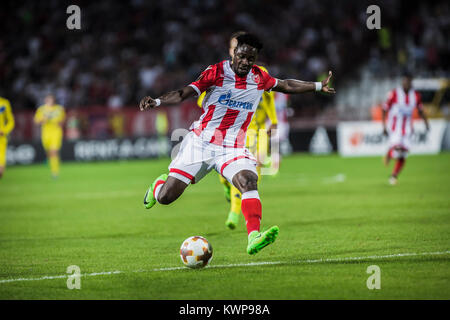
x=171 y=190
x=165 y=190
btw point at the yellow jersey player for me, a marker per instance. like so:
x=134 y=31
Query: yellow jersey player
x=257 y=140
x=6 y=126
x=51 y=118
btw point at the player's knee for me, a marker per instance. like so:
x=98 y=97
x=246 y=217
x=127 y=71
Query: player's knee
x=246 y=181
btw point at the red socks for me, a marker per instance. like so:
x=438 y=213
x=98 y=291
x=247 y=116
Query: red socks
x=398 y=166
x=252 y=210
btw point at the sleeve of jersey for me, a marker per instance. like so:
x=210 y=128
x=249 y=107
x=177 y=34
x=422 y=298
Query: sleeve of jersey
x=390 y=100
x=206 y=80
x=268 y=81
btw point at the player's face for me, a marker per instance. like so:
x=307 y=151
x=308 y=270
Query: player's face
x=407 y=83
x=49 y=100
x=244 y=59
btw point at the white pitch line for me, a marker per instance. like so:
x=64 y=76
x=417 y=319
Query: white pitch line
x=60 y=277
x=250 y=264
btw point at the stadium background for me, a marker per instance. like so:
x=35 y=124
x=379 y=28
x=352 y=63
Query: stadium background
x=125 y=51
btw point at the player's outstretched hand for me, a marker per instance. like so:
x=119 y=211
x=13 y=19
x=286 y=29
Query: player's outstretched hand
x=147 y=103
x=325 y=87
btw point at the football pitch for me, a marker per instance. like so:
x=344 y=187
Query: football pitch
x=336 y=216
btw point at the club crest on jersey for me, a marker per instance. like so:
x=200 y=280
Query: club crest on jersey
x=256 y=78
x=225 y=99
x=2 y=109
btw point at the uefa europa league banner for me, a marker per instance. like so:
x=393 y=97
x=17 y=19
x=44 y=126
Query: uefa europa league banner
x=93 y=150
x=365 y=138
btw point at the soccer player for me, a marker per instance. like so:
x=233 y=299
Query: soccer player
x=256 y=141
x=216 y=141
x=51 y=118
x=399 y=107
x=6 y=126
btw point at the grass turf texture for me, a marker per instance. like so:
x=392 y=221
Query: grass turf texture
x=326 y=207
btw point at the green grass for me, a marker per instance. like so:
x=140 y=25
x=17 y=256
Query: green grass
x=93 y=217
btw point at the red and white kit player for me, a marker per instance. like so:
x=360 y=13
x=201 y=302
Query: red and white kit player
x=217 y=140
x=399 y=108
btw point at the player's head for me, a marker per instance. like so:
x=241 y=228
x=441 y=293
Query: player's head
x=49 y=99
x=407 y=79
x=246 y=53
x=232 y=44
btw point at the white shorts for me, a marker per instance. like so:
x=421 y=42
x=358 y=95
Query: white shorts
x=396 y=139
x=196 y=158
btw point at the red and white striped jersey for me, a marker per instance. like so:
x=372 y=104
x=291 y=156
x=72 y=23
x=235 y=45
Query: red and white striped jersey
x=400 y=106
x=229 y=103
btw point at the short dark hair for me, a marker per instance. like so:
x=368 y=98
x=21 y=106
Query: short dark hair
x=237 y=34
x=251 y=40
x=407 y=74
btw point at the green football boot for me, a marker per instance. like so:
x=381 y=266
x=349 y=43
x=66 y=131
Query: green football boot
x=259 y=240
x=149 y=198
x=232 y=221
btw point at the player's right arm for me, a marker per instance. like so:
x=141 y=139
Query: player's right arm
x=39 y=116
x=206 y=80
x=172 y=97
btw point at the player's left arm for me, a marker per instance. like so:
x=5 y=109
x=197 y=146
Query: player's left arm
x=298 y=86
x=422 y=114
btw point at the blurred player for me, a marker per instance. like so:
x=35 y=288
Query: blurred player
x=281 y=105
x=256 y=142
x=216 y=141
x=399 y=107
x=51 y=118
x=6 y=126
